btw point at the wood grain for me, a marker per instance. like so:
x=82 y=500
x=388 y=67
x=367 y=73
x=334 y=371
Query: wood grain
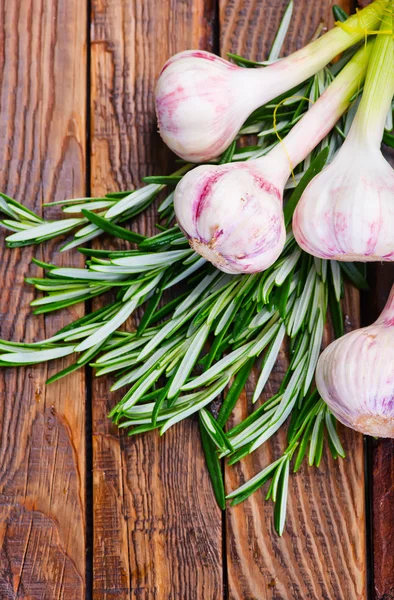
x=322 y=552
x=157 y=529
x=383 y=518
x=42 y=435
x=382 y=455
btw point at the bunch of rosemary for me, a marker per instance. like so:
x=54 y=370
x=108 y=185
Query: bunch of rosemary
x=243 y=320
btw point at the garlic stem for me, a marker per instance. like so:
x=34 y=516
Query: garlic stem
x=322 y=116
x=387 y=315
x=202 y=100
x=299 y=66
x=368 y=125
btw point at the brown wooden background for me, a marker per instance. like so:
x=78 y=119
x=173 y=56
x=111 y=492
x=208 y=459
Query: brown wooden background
x=86 y=512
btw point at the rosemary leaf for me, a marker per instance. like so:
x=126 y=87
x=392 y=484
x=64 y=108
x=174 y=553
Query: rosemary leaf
x=214 y=467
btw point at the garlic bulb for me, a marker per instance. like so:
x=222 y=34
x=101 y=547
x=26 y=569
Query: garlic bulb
x=347 y=211
x=232 y=213
x=355 y=376
x=201 y=104
x=202 y=100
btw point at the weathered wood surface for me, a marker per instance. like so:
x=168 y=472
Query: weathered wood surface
x=322 y=552
x=382 y=455
x=157 y=529
x=42 y=430
x=157 y=532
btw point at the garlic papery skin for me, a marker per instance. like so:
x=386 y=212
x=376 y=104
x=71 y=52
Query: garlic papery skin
x=355 y=376
x=232 y=214
x=201 y=104
x=346 y=212
x=202 y=100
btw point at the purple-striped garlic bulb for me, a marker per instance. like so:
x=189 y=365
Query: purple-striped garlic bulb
x=202 y=100
x=355 y=376
x=346 y=212
x=232 y=213
x=201 y=104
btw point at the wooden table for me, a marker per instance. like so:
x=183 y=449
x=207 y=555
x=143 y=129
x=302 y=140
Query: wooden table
x=87 y=512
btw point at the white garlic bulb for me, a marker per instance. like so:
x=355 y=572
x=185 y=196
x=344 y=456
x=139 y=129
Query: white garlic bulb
x=347 y=211
x=232 y=213
x=201 y=104
x=202 y=100
x=355 y=376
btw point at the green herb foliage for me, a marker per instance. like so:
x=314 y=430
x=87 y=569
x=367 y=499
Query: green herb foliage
x=203 y=343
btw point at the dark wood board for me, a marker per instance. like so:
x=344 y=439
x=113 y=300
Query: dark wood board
x=42 y=432
x=381 y=484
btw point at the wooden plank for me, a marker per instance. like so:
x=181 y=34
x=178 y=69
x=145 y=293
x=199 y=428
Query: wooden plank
x=382 y=455
x=381 y=478
x=157 y=529
x=42 y=156
x=383 y=518
x=322 y=552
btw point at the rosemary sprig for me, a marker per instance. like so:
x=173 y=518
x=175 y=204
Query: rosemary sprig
x=244 y=317
x=113 y=208
x=310 y=425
